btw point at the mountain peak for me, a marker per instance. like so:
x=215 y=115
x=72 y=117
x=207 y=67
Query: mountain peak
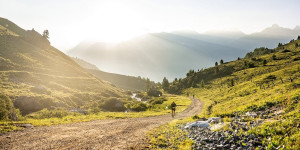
x=275 y=26
x=185 y=32
x=297 y=28
x=233 y=32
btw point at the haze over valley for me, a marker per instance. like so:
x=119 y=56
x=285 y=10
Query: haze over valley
x=158 y=55
x=150 y=74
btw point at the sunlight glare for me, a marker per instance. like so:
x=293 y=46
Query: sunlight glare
x=114 y=23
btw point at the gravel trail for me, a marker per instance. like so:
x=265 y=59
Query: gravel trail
x=99 y=134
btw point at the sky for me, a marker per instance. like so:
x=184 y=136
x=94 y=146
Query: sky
x=71 y=21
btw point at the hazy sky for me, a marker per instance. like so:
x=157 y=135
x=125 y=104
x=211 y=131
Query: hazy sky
x=71 y=21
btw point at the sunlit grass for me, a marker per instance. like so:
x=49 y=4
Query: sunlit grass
x=223 y=100
x=184 y=102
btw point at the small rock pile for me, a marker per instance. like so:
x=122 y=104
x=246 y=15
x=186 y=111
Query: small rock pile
x=205 y=138
x=215 y=137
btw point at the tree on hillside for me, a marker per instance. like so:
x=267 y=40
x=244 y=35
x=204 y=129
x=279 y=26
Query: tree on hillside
x=264 y=62
x=165 y=84
x=217 y=70
x=194 y=84
x=221 y=61
x=148 y=84
x=296 y=45
x=202 y=83
x=230 y=82
x=175 y=79
x=279 y=44
x=190 y=73
x=216 y=63
x=273 y=57
x=298 y=38
x=46 y=34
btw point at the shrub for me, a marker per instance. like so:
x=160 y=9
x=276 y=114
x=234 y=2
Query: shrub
x=157 y=101
x=128 y=92
x=45 y=113
x=145 y=98
x=264 y=62
x=6 y=107
x=113 y=104
x=154 y=92
x=138 y=106
x=195 y=117
x=286 y=50
x=139 y=95
x=32 y=104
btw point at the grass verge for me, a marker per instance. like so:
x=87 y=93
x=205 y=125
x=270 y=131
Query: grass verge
x=161 y=109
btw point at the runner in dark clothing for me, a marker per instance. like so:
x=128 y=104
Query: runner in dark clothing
x=173 y=107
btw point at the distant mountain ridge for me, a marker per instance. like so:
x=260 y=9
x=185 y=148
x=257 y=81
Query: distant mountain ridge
x=156 y=55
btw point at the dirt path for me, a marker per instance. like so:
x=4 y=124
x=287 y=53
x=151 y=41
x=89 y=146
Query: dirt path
x=100 y=134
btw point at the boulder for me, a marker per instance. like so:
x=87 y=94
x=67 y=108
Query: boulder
x=214 y=120
x=251 y=114
x=197 y=124
x=26 y=125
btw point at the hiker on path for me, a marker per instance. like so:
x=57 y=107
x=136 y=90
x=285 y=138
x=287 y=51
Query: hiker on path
x=173 y=107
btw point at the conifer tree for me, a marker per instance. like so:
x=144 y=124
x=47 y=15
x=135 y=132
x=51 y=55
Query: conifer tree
x=165 y=84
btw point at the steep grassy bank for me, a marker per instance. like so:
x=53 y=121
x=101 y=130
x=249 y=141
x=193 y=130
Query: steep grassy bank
x=34 y=75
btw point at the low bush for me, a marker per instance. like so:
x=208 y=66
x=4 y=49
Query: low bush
x=113 y=104
x=195 y=117
x=157 y=101
x=56 y=113
x=6 y=108
x=138 y=106
x=154 y=92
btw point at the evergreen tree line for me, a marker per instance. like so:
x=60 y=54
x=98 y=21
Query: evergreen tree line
x=196 y=78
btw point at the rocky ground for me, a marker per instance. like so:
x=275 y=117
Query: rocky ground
x=101 y=134
x=231 y=135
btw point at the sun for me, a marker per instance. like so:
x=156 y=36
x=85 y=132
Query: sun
x=114 y=23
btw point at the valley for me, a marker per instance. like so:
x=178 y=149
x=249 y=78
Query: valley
x=182 y=75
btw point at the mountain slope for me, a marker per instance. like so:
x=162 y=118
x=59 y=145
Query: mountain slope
x=122 y=81
x=85 y=64
x=35 y=75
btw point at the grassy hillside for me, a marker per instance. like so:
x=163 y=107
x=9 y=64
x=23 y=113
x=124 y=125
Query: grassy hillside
x=254 y=82
x=266 y=80
x=34 y=75
x=85 y=64
x=122 y=81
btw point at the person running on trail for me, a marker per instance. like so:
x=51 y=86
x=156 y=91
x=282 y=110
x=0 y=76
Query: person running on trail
x=173 y=107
